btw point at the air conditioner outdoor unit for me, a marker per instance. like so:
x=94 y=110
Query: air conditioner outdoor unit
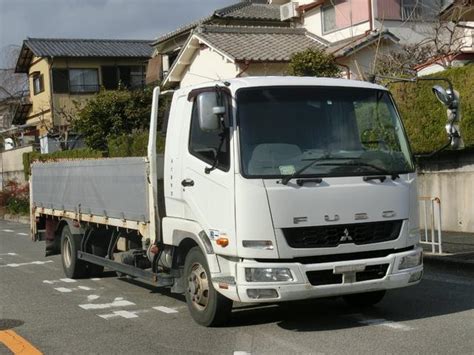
x=289 y=11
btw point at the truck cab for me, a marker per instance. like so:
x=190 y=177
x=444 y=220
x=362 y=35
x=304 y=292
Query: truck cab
x=301 y=187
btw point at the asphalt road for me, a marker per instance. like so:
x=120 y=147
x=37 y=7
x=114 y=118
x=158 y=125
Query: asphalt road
x=40 y=309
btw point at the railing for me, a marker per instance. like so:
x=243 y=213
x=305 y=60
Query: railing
x=431 y=211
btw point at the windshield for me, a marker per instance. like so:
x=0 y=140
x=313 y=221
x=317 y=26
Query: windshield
x=345 y=131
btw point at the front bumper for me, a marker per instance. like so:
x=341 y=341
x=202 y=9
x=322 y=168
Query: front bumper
x=301 y=288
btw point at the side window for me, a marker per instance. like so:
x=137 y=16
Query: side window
x=38 y=84
x=209 y=146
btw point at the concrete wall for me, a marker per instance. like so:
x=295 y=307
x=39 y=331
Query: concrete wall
x=11 y=164
x=451 y=178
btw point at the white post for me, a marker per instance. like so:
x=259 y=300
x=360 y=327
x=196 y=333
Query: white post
x=438 y=202
x=153 y=195
x=433 y=250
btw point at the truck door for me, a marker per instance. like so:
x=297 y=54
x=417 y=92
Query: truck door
x=209 y=195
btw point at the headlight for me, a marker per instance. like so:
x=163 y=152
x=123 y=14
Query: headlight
x=410 y=261
x=268 y=275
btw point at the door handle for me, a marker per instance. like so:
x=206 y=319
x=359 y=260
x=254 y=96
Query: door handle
x=187 y=182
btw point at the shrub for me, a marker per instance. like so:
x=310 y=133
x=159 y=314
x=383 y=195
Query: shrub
x=133 y=145
x=15 y=198
x=313 y=62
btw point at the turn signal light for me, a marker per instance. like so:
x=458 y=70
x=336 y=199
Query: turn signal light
x=222 y=242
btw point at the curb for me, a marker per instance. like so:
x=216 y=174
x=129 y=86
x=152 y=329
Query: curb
x=447 y=260
x=17 y=219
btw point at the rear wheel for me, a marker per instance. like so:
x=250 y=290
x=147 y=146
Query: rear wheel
x=366 y=299
x=207 y=306
x=74 y=268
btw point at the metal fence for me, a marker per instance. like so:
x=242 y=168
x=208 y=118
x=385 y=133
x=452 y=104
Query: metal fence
x=431 y=214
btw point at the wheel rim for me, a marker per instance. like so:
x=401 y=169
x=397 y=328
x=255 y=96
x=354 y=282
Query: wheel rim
x=67 y=252
x=198 y=287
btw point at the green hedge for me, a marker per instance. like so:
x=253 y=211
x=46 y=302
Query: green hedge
x=133 y=145
x=30 y=157
x=425 y=117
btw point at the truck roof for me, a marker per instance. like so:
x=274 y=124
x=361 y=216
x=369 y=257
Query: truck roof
x=258 y=81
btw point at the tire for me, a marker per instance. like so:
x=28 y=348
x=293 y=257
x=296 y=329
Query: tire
x=74 y=268
x=366 y=299
x=207 y=307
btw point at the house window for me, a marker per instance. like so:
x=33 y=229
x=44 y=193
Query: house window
x=126 y=76
x=411 y=10
x=83 y=80
x=340 y=14
x=38 y=83
x=329 y=18
x=60 y=81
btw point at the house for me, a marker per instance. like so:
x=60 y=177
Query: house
x=64 y=73
x=259 y=37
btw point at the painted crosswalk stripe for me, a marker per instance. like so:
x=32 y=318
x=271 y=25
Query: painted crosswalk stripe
x=25 y=264
x=8 y=230
x=361 y=319
x=10 y=254
x=117 y=302
x=165 y=309
x=22 y=234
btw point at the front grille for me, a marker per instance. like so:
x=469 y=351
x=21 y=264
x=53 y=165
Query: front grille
x=372 y=272
x=332 y=236
x=327 y=277
x=323 y=277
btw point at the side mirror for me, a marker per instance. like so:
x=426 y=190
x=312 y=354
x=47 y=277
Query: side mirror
x=452 y=101
x=209 y=111
x=442 y=95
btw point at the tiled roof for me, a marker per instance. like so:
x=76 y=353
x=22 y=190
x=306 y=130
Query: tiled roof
x=55 y=47
x=244 y=10
x=250 y=11
x=270 y=44
x=348 y=46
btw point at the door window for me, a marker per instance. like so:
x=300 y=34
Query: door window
x=209 y=146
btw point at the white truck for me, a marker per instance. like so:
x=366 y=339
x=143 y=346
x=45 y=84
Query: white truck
x=270 y=189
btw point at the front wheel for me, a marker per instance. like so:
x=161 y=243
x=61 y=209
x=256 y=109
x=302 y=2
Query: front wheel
x=366 y=299
x=207 y=306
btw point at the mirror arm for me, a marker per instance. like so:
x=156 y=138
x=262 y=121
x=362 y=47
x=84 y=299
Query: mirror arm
x=439 y=150
x=208 y=170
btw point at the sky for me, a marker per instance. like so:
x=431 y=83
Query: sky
x=126 y=19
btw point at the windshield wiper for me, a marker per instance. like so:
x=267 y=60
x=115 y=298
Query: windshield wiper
x=287 y=179
x=383 y=171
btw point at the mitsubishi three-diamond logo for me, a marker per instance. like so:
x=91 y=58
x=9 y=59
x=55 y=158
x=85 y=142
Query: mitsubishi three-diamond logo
x=346 y=237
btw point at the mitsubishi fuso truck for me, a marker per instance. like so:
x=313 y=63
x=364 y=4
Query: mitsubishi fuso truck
x=270 y=189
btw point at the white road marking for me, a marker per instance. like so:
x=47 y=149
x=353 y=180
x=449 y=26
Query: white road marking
x=58 y=281
x=361 y=319
x=67 y=290
x=165 y=309
x=68 y=280
x=11 y=254
x=92 y=297
x=8 y=230
x=242 y=353
x=30 y=263
x=118 y=302
x=22 y=233
x=95 y=279
x=63 y=289
x=123 y=314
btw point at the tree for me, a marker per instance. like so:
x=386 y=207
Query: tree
x=112 y=114
x=313 y=62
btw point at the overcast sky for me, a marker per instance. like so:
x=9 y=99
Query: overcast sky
x=128 y=19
